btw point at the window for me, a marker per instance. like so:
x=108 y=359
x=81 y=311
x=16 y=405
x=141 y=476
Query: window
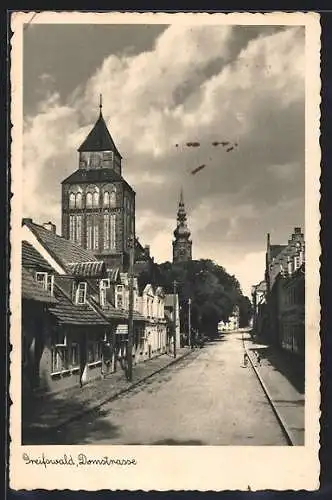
x=109 y=231
x=94 y=351
x=78 y=235
x=112 y=231
x=106 y=202
x=89 y=232
x=108 y=156
x=81 y=293
x=74 y=355
x=106 y=231
x=113 y=198
x=46 y=281
x=72 y=200
x=119 y=297
x=79 y=200
x=95 y=199
x=104 y=284
x=88 y=200
x=95 y=234
x=59 y=359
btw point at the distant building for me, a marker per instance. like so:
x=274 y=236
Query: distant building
x=279 y=300
x=182 y=244
x=233 y=322
x=259 y=321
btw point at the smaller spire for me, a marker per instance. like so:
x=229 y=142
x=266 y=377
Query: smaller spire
x=100 y=103
x=181 y=196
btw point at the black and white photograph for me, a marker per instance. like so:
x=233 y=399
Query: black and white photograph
x=165 y=244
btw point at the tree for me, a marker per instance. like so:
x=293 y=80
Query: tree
x=213 y=292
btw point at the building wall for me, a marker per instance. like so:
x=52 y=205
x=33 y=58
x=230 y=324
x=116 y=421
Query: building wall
x=124 y=210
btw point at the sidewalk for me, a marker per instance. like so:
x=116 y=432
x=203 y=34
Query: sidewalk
x=283 y=377
x=51 y=411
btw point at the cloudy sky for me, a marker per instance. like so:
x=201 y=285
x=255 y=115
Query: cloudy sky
x=166 y=85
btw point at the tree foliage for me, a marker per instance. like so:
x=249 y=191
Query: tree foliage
x=214 y=293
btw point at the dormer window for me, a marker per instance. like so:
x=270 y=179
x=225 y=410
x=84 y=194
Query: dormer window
x=46 y=281
x=103 y=286
x=80 y=296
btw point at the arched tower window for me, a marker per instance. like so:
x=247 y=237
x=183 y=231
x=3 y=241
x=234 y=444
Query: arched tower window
x=79 y=200
x=95 y=199
x=106 y=199
x=89 y=200
x=72 y=200
x=113 y=198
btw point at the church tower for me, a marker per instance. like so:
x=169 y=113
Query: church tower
x=182 y=243
x=98 y=205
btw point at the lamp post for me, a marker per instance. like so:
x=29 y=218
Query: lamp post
x=131 y=246
x=174 y=315
x=189 y=322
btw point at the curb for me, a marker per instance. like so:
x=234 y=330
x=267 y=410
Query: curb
x=115 y=395
x=286 y=431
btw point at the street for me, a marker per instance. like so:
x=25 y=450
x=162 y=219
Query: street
x=208 y=398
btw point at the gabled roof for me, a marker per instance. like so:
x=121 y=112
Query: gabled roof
x=62 y=250
x=92 y=269
x=31 y=290
x=99 y=139
x=276 y=249
x=68 y=313
x=94 y=176
x=32 y=258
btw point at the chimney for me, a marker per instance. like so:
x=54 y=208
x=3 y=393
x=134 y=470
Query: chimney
x=50 y=227
x=147 y=250
x=26 y=220
x=297 y=230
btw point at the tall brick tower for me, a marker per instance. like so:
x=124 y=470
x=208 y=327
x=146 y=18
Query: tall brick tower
x=98 y=205
x=182 y=244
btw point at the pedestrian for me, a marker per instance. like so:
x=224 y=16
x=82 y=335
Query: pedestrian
x=245 y=360
x=258 y=358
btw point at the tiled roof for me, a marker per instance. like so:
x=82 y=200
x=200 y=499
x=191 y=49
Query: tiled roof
x=92 y=269
x=94 y=176
x=99 y=139
x=62 y=250
x=32 y=258
x=276 y=249
x=68 y=313
x=31 y=290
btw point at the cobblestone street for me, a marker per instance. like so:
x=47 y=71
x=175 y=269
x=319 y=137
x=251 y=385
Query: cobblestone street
x=208 y=398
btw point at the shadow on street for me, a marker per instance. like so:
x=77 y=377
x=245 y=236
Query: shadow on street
x=285 y=363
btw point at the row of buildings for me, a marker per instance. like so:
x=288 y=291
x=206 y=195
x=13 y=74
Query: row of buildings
x=279 y=300
x=75 y=287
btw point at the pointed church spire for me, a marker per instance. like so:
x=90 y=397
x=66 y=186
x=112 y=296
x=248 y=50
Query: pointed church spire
x=182 y=243
x=181 y=196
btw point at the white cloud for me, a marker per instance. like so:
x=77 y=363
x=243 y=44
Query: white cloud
x=194 y=85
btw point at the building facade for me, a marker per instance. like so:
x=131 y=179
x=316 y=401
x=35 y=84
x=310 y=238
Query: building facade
x=182 y=244
x=279 y=301
x=98 y=205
